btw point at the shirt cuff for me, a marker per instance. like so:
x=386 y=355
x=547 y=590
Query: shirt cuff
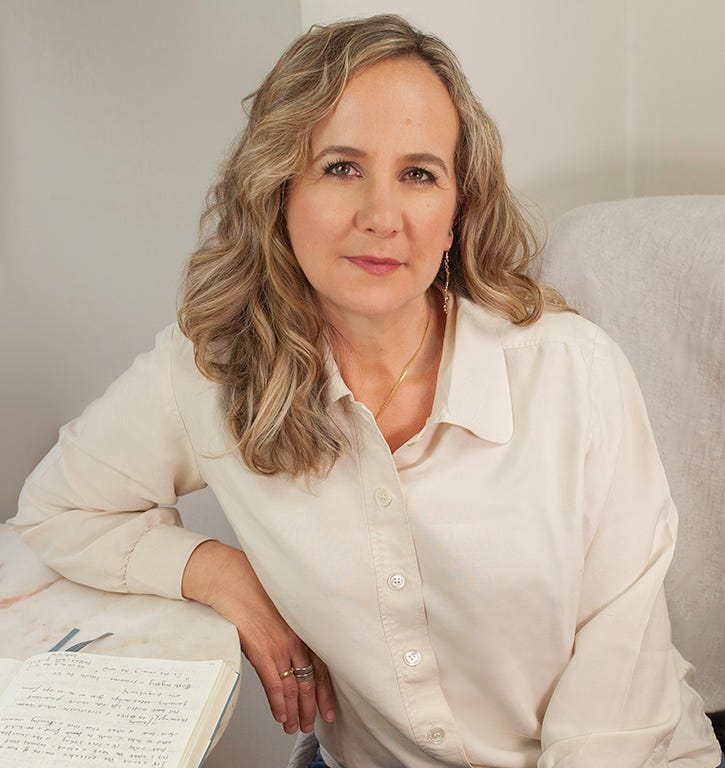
x=157 y=562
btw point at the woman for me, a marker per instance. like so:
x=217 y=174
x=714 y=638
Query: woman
x=447 y=487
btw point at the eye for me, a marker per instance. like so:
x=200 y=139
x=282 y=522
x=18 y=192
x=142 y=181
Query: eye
x=419 y=175
x=341 y=168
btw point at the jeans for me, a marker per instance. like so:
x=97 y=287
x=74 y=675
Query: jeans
x=318 y=762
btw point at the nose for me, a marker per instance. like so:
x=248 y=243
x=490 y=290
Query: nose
x=379 y=210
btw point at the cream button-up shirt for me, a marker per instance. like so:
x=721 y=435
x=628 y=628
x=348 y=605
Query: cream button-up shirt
x=490 y=594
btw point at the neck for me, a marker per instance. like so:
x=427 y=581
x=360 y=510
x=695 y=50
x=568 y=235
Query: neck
x=373 y=350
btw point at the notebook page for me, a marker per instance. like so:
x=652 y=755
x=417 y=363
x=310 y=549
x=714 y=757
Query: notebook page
x=70 y=709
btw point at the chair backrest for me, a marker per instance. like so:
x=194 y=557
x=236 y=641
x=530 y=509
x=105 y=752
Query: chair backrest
x=651 y=272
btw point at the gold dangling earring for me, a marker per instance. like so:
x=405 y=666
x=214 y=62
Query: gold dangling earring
x=447 y=269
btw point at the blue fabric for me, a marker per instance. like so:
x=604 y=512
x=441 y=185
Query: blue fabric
x=722 y=764
x=318 y=762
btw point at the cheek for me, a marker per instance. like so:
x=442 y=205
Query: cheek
x=312 y=219
x=435 y=224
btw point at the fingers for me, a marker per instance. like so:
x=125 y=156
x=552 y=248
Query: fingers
x=306 y=698
x=294 y=699
x=323 y=689
x=299 y=692
x=273 y=688
x=289 y=687
x=291 y=702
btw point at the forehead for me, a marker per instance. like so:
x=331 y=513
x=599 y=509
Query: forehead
x=395 y=102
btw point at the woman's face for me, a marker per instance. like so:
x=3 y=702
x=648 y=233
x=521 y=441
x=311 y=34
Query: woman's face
x=371 y=216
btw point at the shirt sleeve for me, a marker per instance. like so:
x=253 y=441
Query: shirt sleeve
x=617 y=702
x=99 y=508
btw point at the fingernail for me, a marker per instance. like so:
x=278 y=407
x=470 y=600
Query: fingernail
x=329 y=715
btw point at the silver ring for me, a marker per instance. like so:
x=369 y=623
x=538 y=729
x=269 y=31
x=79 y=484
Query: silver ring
x=304 y=674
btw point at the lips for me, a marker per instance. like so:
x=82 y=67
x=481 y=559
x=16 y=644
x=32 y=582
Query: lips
x=373 y=265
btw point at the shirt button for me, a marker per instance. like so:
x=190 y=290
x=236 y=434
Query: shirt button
x=412 y=658
x=436 y=735
x=383 y=497
x=396 y=581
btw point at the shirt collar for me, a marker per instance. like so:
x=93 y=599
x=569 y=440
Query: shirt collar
x=473 y=387
x=336 y=388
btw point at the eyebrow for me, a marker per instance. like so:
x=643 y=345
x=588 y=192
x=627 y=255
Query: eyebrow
x=413 y=157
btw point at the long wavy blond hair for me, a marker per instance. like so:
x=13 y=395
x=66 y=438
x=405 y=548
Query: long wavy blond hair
x=246 y=304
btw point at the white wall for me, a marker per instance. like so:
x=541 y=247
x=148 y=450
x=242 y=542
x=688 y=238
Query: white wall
x=114 y=118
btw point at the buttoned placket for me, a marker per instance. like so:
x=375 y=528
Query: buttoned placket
x=400 y=597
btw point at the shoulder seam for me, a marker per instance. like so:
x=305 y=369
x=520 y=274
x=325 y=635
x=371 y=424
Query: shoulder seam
x=174 y=331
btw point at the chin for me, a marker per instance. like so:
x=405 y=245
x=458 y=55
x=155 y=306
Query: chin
x=369 y=303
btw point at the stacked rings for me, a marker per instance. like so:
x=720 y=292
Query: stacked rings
x=303 y=674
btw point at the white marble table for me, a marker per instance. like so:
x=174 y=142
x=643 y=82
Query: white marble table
x=38 y=607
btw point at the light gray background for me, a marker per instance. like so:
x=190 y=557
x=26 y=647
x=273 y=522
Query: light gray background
x=114 y=115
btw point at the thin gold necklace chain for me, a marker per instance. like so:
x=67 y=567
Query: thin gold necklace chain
x=402 y=376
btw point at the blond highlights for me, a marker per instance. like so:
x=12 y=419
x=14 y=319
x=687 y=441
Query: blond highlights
x=246 y=304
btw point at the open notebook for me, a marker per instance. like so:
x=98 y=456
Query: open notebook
x=65 y=710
